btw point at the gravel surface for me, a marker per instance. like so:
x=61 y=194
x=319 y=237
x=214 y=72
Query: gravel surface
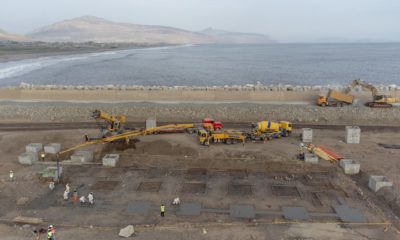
x=194 y=112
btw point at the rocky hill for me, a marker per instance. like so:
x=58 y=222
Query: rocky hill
x=87 y=28
x=5 y=36
x=221 y=36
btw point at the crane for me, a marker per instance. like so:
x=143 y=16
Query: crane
x=127 y=135
x=378 y=101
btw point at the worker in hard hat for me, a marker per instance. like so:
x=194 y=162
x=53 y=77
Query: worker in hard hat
x=82 y=200
x=162 y=210
x=176 y=201
x=91 y=198
x=51 y=186
x=52 y=229
x=11 y=175
x=42 y=155
x=66 y=195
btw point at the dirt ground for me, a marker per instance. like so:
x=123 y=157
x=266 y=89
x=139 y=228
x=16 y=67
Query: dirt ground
x=161 y=167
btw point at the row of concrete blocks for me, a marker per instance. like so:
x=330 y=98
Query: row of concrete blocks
x=349 y=166
x=32 y=150
x=352 y=136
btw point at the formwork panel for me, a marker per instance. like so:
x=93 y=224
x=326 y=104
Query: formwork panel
x=105 y=185
x=285 y=191
x=240 y=189
x=149 y=187
x=193 y=187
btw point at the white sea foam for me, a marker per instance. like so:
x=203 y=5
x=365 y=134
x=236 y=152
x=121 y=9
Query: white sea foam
x=18 y=68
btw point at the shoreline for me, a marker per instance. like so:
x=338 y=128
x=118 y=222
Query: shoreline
x=10 y=52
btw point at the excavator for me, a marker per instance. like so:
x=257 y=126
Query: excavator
x=378 y=101
x=115 y=124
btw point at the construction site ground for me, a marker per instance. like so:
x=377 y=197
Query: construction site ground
x=158 y=168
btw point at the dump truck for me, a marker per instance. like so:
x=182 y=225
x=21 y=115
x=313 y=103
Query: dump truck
x=335 y=99
x=266 y=130
x=226 y=136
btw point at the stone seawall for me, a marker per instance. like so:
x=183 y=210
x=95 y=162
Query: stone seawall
x=174 y=95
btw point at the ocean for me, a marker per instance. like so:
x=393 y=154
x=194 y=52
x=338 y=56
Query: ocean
x=215 y=65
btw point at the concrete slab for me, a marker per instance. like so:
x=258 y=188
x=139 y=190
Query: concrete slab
x=52 y=148
x=377 y=182
x=34 y=147
x=350 y=166
x=353 y=134
x=189 y=209
x=347 y=214
x=82 y=156
x=295 y=213
x=306 y=135
x=151 y=123
x=110 y=160
x=28 y=158
x=242 y=211
x=310 y=158
x=138 y=207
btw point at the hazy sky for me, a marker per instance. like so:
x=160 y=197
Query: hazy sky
x=283 y=20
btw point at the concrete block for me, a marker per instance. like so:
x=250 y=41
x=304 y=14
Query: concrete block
x=151 y=123
x=34 y=147
x=110 y=160
x=350 y=166
x=28 y=158
x=310 y=158
x=52 y=148
x=353 y=134
x=82 y=156
x=377 y=182
x=127 y=231
x=53 y=171
x=306 y=135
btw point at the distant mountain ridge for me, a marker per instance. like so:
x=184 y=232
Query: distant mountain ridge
x=89 y=28
x=6 y=36
x=222 y=36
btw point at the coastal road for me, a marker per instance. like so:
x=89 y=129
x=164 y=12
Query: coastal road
x=43 y=126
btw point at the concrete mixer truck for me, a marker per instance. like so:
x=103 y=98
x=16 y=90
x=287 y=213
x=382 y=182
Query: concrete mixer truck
x=267 y=130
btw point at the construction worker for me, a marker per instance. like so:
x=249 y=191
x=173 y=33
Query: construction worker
x=11 y=175
x=51 y=186
x=75 y=196
x=42 y=156
x=67 y=189
x=176 y=201
x=50 y=235
x=66 y=195
x=91 y=198
x=162 y=210
x=53 y=230
x=82 y=200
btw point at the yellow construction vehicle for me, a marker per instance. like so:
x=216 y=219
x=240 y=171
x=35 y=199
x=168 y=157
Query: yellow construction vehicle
x=378 y=101
x=266 y=130
x=115 y=123
x=226 y=136
x=335 y=99
x=127 y=136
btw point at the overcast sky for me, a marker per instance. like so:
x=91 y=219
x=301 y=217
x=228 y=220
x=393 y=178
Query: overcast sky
x=283 y=20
